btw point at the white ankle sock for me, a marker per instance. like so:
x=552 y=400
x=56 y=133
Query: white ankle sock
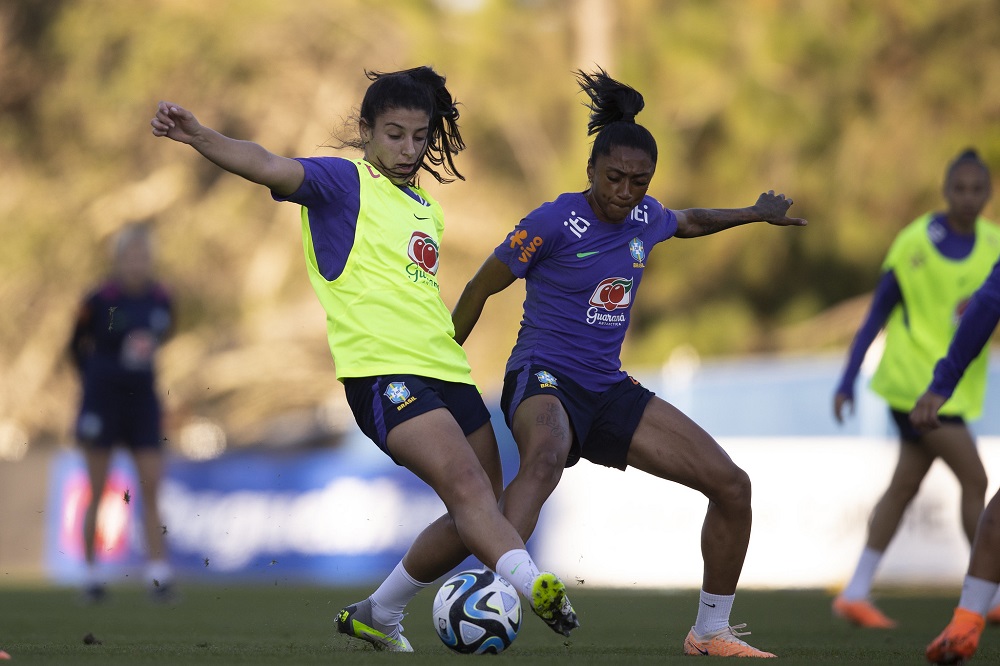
x=860 y=585
x=390 y=599
x=977 y=594
x=159 y=571
x=519 y=569
x=713 y=612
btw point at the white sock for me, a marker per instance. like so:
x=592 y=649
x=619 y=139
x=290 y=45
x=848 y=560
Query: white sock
x=91 y=577
x=860 y=585
x=160 y=571
x=390 y=599
x=517 y=567
x=713 y=612
x=977 y=594
x=996 y=599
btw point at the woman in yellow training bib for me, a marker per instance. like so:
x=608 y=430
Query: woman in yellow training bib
x=371 y=238
x=934 y=266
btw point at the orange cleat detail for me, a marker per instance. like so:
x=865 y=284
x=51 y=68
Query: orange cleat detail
x=993 y=617
x=723 y=643
x=959 y=640
x=862 y=613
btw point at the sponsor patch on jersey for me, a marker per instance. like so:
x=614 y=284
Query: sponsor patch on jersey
x=423 y=250
x=519 y=239
x=613 y=294
x=546 y=379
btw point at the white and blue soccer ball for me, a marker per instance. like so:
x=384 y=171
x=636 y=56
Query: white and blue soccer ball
x=477 y=612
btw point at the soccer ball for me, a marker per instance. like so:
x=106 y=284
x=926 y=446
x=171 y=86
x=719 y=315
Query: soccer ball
x=477 y=612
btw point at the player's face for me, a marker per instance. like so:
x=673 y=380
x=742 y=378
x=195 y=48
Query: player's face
x=967 y=190
x=618 y=182
x=135 y=264
x=396 y=144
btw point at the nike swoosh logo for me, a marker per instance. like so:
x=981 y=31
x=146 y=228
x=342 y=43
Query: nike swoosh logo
x=420 y=218
x=514 y=570
x=709 y=605
x=583 y=255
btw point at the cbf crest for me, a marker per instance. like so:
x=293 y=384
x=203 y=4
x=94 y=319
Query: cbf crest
x=546 y=379
x=638 y=252
x=397 y=392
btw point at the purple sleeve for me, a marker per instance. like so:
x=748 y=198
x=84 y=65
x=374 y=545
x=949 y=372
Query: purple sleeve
x=974 y=330
x=327 y=180
x=887 y=296
x=529 y=242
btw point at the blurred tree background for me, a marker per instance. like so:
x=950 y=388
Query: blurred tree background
x=851 y=107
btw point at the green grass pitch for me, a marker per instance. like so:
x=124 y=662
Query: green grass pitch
x=234 y=624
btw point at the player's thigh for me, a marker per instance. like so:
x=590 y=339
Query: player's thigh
x=433 y=446
x=541 y=427
x=484 y=444
x=955 y=445
x=914 y=461
x=98 y=460
x=670 y=445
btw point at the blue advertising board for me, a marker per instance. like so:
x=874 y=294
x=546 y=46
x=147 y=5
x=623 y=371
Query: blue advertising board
x=340 y=515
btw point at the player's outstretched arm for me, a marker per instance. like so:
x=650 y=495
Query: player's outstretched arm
x=770 y=207
x=243 y=158
x=492 y=277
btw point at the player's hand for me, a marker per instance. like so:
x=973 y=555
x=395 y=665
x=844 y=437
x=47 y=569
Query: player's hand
x=924 y=415
x=840 y=401
x=773 y=209
x=175 y=122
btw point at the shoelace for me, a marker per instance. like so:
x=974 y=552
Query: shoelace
x=737 y=634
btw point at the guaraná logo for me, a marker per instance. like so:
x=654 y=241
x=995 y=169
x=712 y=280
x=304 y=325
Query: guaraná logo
x=613 y=294
x=423 y=250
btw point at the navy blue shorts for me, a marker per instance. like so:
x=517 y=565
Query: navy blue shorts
x=603 y=421
x=118 y=415
x=911 y=434
x=382 y=403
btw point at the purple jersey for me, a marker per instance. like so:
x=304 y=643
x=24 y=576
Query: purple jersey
x=581 y=278
x=117 y=334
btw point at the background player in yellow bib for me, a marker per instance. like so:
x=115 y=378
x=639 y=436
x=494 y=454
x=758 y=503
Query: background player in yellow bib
x=934 y=266
x=371 y=237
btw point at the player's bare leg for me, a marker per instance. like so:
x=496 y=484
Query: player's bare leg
x=669 y=445
x=159 y=574
x=98 y=461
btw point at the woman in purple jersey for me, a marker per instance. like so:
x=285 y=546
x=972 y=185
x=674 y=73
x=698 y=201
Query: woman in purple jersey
x=118 y=330
x=959 y=640
x=565 y=395
x=960 y=236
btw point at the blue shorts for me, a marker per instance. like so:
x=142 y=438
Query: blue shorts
x=911 y=434
x=380 y=404
x=603 y=422
x=120 y=415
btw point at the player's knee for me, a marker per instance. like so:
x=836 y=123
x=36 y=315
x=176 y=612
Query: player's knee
x=465 y=484
x=736 y=490
x=976 y=483
x=545 y=463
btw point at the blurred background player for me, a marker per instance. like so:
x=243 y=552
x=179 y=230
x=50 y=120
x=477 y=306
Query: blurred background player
x=959 y=640
x=372 y=237
x=932 y=268
x=565 y=394
x=119 y=328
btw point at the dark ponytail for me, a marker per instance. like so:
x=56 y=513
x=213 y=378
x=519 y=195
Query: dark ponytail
x=613 y=108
